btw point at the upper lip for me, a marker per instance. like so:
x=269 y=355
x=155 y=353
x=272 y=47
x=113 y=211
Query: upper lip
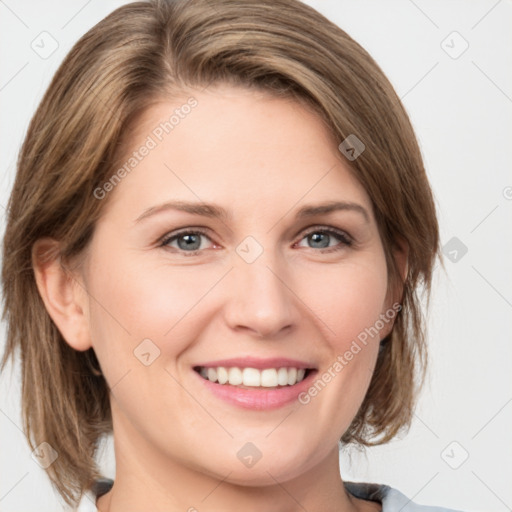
x=254 y=362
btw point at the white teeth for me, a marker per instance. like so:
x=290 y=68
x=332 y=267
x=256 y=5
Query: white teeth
x=252 y=377
x=212 y=374
x=282 y=377
x=222 y=375
x=269 y=378
x=235 y=376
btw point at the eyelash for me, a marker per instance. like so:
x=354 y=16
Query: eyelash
x=345 y=240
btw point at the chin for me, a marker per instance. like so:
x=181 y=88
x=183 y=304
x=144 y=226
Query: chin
x=265 y=471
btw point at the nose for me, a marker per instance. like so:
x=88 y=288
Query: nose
x=261 y=299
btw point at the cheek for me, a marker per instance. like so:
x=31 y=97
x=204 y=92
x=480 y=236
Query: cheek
x=348 y=312
x=134 y=301
x=349 y=298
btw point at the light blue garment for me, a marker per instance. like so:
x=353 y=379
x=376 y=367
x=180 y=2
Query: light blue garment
x=392 y=500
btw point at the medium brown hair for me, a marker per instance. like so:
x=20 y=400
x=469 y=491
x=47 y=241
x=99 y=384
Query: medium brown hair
x=144 y=52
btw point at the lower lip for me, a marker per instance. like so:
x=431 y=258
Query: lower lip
x=258 y=398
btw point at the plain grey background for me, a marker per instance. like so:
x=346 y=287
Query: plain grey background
x=450 y=63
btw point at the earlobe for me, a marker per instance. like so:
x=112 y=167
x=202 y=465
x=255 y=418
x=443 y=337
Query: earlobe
x=63 y=295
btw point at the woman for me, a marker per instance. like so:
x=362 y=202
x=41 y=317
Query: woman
x=218 y=228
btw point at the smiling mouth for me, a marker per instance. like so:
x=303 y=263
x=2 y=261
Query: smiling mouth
x=253 y=378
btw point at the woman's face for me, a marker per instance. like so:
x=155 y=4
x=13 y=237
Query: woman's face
x=256 y=280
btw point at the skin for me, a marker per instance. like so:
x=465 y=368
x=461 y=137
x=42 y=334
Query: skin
x=176 y=444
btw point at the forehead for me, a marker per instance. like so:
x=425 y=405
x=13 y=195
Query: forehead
x=235 y=146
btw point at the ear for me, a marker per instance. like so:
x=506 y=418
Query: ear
x=401 y=255
x=395 y=290
x=63 y=294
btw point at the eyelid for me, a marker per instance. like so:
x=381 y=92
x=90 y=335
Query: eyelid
x=184 y=231
x=328 y=229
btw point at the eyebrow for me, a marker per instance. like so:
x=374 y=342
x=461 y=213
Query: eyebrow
x=215 y=211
